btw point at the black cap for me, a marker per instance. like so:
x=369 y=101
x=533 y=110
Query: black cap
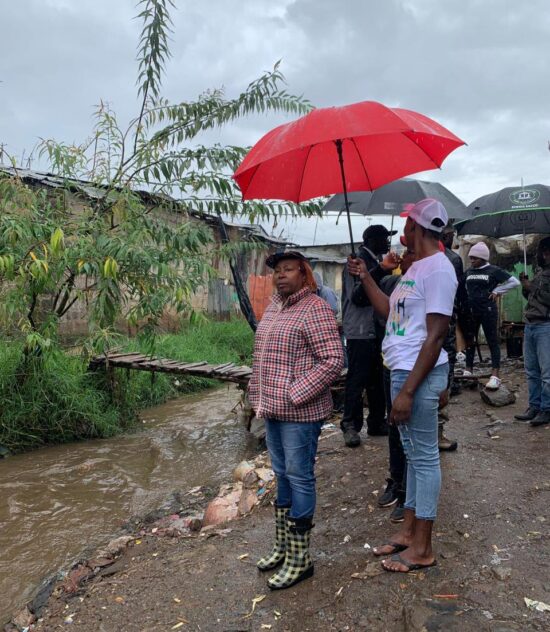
x=274 y=259
x=377 y=230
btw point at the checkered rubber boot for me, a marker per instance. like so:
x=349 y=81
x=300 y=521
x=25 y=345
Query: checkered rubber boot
x=277 y=555
x=298 y=564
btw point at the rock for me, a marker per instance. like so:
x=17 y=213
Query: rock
x=242 y=470
x=500 y=397
x=4 y=452
x=100 y=562
x=248 y=500
x=24 y=618
x=115 y=547
x=502 y=572
x=222 y=509
x=250 y=479
x=193 y=523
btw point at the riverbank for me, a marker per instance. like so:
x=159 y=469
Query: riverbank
x=491 y=540
x=56 y=400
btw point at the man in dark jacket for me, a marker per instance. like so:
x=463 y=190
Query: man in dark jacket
x=363 y=343
x=537 y=339
x=447 y=238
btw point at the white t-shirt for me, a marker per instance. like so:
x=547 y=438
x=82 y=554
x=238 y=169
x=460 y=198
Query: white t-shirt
x=428 y=287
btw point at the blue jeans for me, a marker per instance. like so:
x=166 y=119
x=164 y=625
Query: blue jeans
x=536 y=352
x=419 y=439
x=292 y=447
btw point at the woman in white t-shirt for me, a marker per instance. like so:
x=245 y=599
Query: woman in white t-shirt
x=418 y=313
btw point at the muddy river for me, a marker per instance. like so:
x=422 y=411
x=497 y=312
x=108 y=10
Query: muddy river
x=57 y=502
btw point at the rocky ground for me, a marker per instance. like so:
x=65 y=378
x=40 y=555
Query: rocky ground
x=491 y=540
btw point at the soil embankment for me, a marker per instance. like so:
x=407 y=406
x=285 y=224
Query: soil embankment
x=491 y=540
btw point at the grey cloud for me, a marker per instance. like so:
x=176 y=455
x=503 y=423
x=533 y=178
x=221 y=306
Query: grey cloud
x=476 y=66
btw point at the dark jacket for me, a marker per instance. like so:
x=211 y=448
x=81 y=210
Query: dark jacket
x=461 y=298
x=537 y=309
x=357 y=313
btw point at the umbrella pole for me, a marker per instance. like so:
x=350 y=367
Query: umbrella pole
x=341 y=161
x=524 y=252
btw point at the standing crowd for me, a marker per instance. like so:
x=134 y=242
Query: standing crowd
x=400 y=348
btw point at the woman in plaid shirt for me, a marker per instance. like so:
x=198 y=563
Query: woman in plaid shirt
x=297 y=356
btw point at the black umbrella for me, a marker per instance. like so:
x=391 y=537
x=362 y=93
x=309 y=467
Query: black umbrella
x=398 y=196
x=510 y=211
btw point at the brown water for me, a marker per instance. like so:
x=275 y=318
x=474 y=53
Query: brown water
x=57 y=502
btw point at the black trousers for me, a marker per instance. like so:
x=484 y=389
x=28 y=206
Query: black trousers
x=450 y=347
x=398 y=460
x=488 y=319
x=364 y=373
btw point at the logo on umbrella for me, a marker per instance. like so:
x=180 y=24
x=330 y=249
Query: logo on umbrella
x=524 y=197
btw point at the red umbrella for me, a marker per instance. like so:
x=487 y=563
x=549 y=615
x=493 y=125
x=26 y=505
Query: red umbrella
x=305 y=159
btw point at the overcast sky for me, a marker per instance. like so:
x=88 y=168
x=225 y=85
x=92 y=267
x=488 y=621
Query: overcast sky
x=479 y=67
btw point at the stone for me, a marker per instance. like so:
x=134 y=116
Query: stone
x=250 y=479
x=222 y=509
x=193 y=523
x=247 y=502
x=24 y=618
x=502 y=572
x=115 y=547
x=242 y=470
x=500 y=397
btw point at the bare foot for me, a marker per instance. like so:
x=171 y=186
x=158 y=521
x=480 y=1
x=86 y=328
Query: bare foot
x=408 y=561
x=399 y=542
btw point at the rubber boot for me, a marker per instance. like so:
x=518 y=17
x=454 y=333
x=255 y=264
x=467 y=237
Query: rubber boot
x=277 y=555
x=298 y=564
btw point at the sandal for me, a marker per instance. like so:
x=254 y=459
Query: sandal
x=411 y=566
x=396 y=548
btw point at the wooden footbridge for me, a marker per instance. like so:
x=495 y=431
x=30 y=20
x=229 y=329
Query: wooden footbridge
x=228 y=372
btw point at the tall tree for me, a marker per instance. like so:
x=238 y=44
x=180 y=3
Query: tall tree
x=130 y=255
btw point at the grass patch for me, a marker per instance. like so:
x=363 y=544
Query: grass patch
x=54 y=399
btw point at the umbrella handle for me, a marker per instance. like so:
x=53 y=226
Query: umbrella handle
x=342 y=172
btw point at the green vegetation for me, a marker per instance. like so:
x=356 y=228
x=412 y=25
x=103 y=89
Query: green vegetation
x=131 y=252
x=53 y=399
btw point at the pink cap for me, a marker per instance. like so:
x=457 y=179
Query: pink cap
x=429 y=214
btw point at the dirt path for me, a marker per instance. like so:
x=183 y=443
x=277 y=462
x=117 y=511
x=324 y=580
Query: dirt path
x=493 y=520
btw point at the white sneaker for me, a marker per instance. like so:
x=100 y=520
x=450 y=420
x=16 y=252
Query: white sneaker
x=466 y=373
x=493 y=384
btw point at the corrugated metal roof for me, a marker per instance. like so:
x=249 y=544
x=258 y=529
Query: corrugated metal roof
x=97 y=192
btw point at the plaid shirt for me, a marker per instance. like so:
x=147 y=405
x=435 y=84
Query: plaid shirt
x=297 y=355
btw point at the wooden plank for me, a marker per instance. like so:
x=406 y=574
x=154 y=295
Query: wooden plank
x=207 y=368
x=220 y=367
x=226 y=370
x=158 y=363
x=120 y=356
x=191 y=365
x=240 y=374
